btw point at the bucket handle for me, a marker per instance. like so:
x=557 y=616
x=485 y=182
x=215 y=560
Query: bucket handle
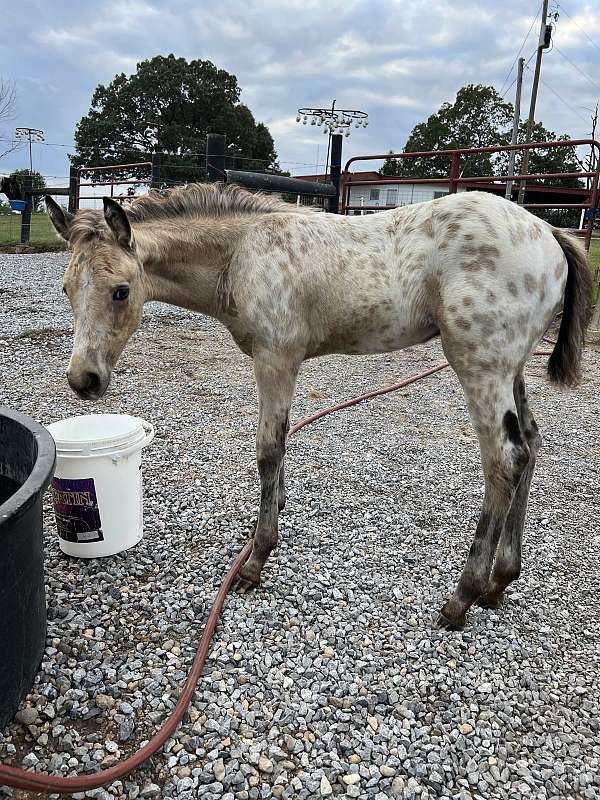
x=150 y=434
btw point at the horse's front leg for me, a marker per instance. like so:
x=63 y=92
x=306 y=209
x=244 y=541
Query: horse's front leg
x=275 y=380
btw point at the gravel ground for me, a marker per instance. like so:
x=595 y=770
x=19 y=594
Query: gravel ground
x=330 y=680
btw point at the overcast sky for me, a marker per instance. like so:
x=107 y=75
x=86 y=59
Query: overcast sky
x=396 y=59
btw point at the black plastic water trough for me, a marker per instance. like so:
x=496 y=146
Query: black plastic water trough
x=27 y=458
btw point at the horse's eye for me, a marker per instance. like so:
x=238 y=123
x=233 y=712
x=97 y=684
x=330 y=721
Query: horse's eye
x=121 y=293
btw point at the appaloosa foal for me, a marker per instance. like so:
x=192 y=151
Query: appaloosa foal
x=289 y=284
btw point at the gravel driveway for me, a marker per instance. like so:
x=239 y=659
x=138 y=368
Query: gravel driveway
x=330 y=680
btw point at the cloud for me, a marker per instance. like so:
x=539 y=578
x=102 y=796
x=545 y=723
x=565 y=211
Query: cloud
x=397 y=59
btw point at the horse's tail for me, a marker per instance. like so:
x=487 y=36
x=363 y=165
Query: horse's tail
x=564 y=365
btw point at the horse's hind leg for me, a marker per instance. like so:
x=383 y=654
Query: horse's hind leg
x=275 y=381
x=505 y=456
x=507 y=566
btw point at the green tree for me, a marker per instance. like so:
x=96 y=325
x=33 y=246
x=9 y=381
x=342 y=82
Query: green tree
x=479 y=117
x=39 y=182
x=168 y=106
x=556 y=159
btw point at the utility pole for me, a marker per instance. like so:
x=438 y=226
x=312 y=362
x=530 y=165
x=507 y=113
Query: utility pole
x=32 y=134
x=515 y=130
x=543 y=44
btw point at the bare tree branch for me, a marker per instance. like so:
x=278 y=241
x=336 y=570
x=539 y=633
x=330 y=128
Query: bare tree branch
x=8 y=98
x=12 y=147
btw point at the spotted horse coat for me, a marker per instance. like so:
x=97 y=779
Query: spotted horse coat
x=484 y=274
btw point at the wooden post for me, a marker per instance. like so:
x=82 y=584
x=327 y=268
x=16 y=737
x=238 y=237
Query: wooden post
x=26 y=214
x=215 y=157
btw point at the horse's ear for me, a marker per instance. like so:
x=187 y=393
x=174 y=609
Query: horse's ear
x=117 y=221
x=59 y=217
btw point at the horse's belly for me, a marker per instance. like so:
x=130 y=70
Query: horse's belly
x=386 y=341
x=382 y=339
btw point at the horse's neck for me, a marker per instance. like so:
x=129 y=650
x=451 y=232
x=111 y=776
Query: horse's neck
x=183 y=263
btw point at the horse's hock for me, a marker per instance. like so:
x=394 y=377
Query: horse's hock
x=26 y=467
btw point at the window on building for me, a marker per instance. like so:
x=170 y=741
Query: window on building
x=439 y=194
x=374 y=195
x=392 y=196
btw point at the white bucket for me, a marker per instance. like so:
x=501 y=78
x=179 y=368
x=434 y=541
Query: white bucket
x=97 y=486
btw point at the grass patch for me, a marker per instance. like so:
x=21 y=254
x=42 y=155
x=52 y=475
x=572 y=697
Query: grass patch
x=41 y=231
x=33 y=333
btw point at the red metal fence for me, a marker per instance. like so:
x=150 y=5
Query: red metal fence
x=114 y=181
x=454 y=179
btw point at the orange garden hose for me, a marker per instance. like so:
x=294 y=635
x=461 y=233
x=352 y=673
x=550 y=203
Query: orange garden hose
x=23 y=779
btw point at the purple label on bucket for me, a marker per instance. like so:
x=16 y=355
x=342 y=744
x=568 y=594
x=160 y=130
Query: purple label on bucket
x=76 y=510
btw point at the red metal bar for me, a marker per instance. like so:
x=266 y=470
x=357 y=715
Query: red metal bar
x=107 y=183
x=556 y=205
x=117 y=197
x=471 y=150
x=115 y=166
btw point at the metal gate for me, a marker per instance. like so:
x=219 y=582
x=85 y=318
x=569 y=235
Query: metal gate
x=454 y=178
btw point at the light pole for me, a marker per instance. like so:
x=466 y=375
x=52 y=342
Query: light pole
x=33 y=134
x=334 y=120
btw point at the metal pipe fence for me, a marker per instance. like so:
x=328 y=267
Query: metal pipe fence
x=454 y=180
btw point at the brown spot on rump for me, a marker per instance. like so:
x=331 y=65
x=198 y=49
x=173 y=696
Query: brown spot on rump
x=467 y=301
x=469 y=237
x=491 y=297
x=529 y=282
x=489 y=251
x=427 y=227
x=454 y=227
x=535 y=231
x=471 y=266
x=463 y=323
x=512 y=288
x=487 y=323
x=517 y=234
x=559 y=270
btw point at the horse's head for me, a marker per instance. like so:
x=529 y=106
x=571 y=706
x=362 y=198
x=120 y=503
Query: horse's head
x=105 y=286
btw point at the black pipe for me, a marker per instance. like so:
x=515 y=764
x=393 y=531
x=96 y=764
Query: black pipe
x=279 y=183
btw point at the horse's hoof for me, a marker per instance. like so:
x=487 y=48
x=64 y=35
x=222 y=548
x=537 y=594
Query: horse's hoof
x=243 y=587
x=447 y=624
x=489 y=601
x=247 y=580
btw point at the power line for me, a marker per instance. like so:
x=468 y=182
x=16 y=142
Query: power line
x=508 y=88
x=590 y=40
x=562 y=99
x=580 y=71
x=512 y=66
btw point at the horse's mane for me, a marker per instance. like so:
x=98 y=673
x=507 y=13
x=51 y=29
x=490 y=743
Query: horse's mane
x=195 y=199
x=204 y=199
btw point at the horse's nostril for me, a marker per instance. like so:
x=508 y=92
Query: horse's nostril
x=92 y=381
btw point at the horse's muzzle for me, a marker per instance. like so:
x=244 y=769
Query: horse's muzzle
x=87 y=385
